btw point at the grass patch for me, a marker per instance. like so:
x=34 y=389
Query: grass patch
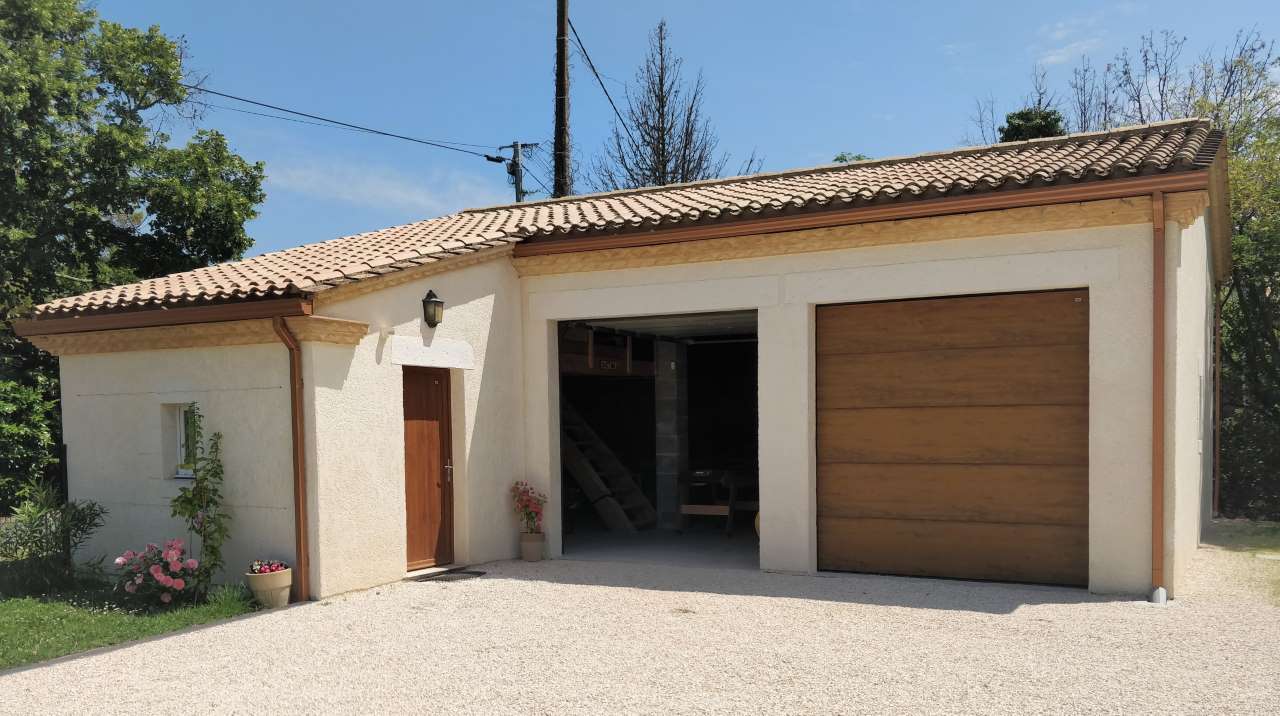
x=1244 y=535
x=1261 y=539
x=38 y=628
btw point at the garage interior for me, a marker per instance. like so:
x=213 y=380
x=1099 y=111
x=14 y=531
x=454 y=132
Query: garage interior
x=659 y=439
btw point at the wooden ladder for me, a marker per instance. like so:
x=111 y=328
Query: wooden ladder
x=607 y=484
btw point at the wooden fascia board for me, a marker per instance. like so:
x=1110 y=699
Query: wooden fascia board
x=1088 y=191
x=1219 y=217
x=146 y=318
x=316 y=329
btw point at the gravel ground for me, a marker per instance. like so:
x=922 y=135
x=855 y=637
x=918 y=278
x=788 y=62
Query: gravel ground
x=592 y=637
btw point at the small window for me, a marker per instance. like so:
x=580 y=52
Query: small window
x=185 y=430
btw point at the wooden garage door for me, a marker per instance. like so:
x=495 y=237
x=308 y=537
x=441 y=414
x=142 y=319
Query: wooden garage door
x=953 y=437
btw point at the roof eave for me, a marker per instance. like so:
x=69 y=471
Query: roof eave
x=150 y=317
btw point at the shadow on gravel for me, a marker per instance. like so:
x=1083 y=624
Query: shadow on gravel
x=875 y=590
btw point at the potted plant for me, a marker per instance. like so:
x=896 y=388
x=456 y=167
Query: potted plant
x=528 y=503
x=269 y=580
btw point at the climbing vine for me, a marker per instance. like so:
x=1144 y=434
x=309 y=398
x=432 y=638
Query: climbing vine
x=200 y=503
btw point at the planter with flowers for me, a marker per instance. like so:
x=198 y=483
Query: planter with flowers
x=269 y=580
x=528 y=504
x=158 y=576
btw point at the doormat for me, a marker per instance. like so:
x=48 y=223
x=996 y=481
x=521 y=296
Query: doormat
x=456 y=575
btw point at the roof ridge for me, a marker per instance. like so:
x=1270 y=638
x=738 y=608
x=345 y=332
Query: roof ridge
x=1126 y=130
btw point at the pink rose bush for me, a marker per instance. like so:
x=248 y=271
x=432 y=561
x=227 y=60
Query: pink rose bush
x=157 y=574
x=528 y=505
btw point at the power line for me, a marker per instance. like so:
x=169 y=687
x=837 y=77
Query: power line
x=583 y=49
x=275 y=116
x=429 y=142
x=536 y=156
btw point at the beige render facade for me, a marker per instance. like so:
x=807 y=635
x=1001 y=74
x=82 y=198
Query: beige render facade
x=314 y=438
x=497 y=341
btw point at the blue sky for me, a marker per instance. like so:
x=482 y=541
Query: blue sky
x=796 y=81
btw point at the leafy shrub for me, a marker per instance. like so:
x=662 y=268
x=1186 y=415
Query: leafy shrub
x=27 y=443
x=43 y=534
x=158 y=575
x=200 y=503
x=1250 y=465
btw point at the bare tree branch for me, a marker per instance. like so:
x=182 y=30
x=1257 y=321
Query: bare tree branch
x=670 y=141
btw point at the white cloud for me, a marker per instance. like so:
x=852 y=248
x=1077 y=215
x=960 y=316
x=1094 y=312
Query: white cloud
x=1069 y=52
x=1066 y=40
x=955 y=49
x=430 y=194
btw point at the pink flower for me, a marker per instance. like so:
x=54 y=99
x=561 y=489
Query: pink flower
x=129 y=554
x=166 y=597
x=165 y=580
x=152 y=547
x=130 y=587
x=137 y=579
x=120 y=561
x=175 y=567
x=192 y=564
x=156 y=572
x=179 y=584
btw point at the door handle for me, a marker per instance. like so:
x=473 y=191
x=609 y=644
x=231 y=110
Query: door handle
x=448 y=471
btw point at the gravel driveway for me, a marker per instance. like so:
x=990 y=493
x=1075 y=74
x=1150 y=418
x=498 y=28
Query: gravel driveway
x=594 y=637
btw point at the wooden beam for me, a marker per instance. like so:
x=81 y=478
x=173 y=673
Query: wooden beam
x=1086 y=191
x=143 y=318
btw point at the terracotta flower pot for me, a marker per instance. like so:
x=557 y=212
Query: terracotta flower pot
x=531 y=544
x=271 y=589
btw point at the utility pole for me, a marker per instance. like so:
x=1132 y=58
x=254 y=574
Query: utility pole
x=515 y=167
x=563 y=181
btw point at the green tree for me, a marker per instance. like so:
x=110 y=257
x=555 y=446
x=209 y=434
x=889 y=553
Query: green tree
x=26 y=441
x=1032 y=123
x=1238 y=89
x=91 y=191
x=847 y=157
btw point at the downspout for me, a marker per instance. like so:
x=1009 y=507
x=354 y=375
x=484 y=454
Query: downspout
x=302 y=560
x=1217 y=406
x=1158 y=592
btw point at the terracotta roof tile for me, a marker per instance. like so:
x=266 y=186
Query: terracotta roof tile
x=1149 y=149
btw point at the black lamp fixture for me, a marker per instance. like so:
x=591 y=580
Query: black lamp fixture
x=432 y=309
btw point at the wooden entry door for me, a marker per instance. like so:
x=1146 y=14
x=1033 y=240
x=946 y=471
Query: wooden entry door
x=953 y=437
x=428 y=467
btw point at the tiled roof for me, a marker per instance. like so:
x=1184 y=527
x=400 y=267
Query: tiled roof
x=1133 y=151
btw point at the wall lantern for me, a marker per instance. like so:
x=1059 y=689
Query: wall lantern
x=432 y=309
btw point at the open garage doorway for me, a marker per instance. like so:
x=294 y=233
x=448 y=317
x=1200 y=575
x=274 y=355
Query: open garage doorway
x=659 y=439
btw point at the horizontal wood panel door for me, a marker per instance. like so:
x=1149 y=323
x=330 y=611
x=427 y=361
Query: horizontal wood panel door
x=953 y=437
x=428 y=468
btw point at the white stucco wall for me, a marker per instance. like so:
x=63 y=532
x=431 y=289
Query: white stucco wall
x=1113 y=262
x=1188 y=394
x=498 y=339
x=119 y=451
x=354 y=411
